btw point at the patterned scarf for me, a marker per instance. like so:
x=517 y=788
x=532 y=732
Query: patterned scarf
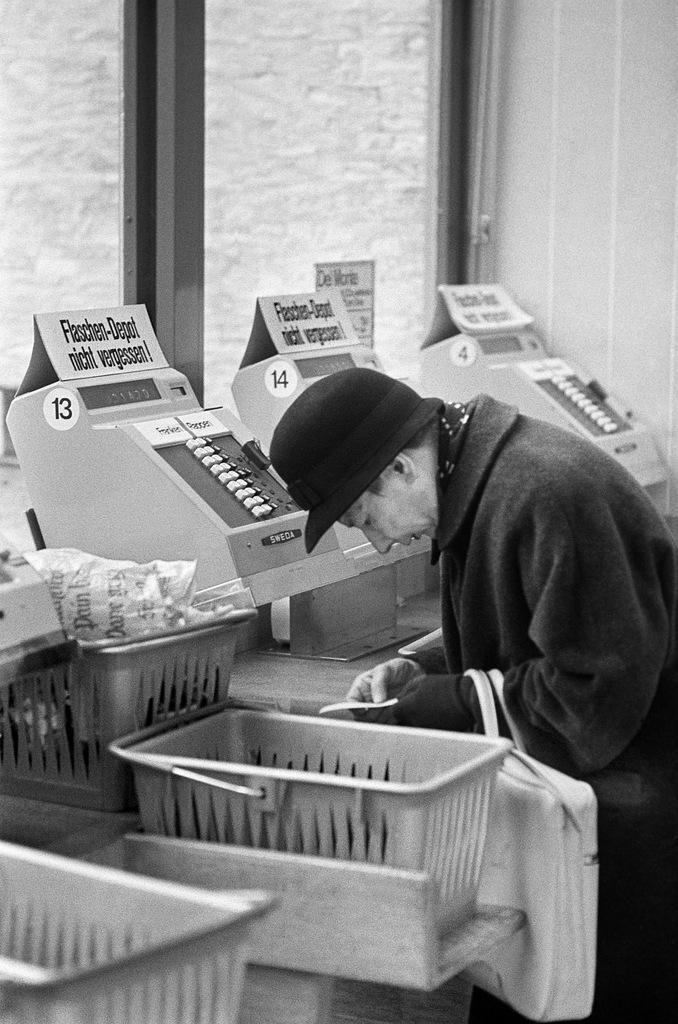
x=454 y=421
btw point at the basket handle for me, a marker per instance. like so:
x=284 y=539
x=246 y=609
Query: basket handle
x=269 y=792
x=206 y=780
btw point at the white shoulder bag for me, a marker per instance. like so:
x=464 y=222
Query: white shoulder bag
x=540 y=856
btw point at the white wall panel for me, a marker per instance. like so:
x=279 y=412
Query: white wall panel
x=643 y=334
x=585 y=190
x=524 y=152
x=583 y=170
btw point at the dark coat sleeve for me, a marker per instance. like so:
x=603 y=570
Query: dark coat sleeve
x=439 y=701
x=579 y=587
x=601 y=590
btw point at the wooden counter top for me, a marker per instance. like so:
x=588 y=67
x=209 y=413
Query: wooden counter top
x=302 y=685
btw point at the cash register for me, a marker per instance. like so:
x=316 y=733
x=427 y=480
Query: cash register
x=482 y=341
x=295 y=340
x=120 y=459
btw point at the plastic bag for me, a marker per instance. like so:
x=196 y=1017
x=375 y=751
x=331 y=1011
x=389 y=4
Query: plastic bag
x=100 y=598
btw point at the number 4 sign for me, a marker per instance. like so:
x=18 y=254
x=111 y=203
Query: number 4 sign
x=61 y=408
x=281 y=378
x=463 y=352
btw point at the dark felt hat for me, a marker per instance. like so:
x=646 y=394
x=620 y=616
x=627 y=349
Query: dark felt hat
x=337 y=437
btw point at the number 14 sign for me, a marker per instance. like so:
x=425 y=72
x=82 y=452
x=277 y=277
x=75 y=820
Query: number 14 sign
x=281 y=378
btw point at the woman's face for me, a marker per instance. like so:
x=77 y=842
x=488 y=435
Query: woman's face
x=402 y=510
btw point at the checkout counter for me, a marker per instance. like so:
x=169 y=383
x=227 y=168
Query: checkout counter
x=296 y=340
x=481 y=341
x=119 y=459
x=29 y=625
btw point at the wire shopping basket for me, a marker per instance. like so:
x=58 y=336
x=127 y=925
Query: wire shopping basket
x=407 y=798
x=84 y=944
x=57 y=720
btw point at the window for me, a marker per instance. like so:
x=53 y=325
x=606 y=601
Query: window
x=317 y=149
x=59 y=187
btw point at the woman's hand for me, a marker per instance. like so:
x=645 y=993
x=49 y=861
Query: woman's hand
x=389 y=679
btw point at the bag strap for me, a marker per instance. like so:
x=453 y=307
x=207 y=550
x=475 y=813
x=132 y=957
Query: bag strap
x=496 y=679
x=489 y=685
x=485 y=695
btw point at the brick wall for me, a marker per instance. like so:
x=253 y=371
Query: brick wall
x=316 y=150
x=59 y=165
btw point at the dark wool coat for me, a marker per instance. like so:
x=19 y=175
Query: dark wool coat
x=557 y=569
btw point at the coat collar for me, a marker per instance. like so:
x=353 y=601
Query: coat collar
x=490 y=425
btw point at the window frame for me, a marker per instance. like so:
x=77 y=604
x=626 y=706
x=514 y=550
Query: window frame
x=163 y=161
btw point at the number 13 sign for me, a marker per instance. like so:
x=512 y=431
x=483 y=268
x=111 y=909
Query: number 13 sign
x=61 y=408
